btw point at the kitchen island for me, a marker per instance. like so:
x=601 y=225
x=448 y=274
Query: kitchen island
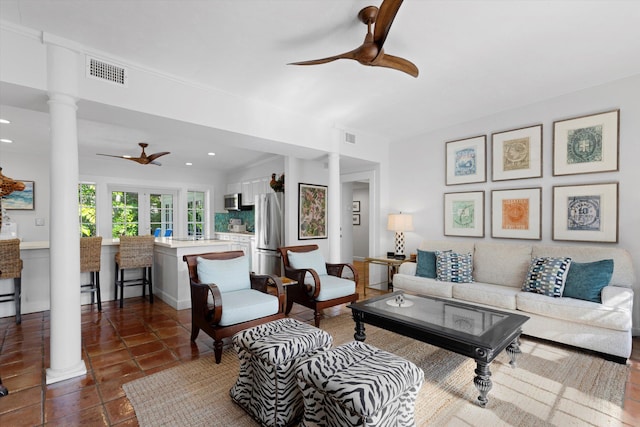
x=170 y=276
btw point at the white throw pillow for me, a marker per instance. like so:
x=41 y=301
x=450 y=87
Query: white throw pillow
x=312 y=259
x=228 y=274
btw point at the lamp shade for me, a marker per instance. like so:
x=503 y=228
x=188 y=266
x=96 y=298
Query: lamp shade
x=400 y=222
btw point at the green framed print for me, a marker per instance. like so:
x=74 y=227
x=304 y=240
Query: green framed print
x=586 y=144
x=586 y=213
x=517 y=153
x=312 y=211
x=465 y=161
x=464 y=214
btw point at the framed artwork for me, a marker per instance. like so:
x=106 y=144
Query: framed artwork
x=21 y=200
x=312 y=211
x=586 y=144
x=466 y=161
x=586 y=213
x=355 y=206
x=515 y=214
x=464 y=214
x=517 y=153
x=463 y=319
x=356 y=219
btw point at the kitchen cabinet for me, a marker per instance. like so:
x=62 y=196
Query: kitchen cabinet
x=238 y=242
x=250 y=189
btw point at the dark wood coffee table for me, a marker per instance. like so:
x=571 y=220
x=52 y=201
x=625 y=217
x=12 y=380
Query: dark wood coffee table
x=473 y=331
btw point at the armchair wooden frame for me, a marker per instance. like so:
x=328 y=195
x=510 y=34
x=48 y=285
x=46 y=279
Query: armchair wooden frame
x=207 y=317
x=300 y=294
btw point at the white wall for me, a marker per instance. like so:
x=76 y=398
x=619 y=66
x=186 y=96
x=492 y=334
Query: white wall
x=418 y=173
x=361 y=232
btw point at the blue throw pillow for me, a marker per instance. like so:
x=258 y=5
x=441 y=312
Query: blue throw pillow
x=585 y=280
x=426 y=264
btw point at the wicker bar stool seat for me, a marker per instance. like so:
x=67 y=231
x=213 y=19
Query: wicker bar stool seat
x=90 y=251
x=11 y=268
x=136 y=252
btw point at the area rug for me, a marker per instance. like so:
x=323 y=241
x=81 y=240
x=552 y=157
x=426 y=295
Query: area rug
x=552 y=386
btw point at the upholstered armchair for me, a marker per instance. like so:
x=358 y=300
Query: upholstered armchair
x=226 y=298
x=320 y=284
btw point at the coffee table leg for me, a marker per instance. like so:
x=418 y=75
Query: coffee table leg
x=482 y=381
x=513 y=350
x=359 y=335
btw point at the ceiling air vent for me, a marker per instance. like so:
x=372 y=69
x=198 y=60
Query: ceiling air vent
x=349 y=138
x=105 y=71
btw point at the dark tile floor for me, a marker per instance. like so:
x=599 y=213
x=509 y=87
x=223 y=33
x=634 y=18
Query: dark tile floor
x=120 y=345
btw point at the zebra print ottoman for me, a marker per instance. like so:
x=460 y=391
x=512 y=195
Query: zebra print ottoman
x=357 y=384
x=269 y=355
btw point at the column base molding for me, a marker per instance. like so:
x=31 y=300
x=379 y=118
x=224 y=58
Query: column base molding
x=56 y=375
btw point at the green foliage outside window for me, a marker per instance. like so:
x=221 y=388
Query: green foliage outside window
x=195 y=213
x=124 y=214
x=87 y=209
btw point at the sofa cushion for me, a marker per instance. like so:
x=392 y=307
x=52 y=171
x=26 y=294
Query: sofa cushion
x=502 y=264
x=574 y=310
x=426 y=264
x=247 y=304
x=422 y=285
x=585 y=280
x=228 y=274
x=623 y=271
x=547 y=276
x=454 y=267
x=487 y=294
x=459 y=246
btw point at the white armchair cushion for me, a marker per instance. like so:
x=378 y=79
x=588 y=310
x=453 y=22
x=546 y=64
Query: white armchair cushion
x=228 y=274
x=333 y=287
x=312 y=259
x=247 y=304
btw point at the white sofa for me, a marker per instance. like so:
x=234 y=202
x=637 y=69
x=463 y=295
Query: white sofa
x=499 y=270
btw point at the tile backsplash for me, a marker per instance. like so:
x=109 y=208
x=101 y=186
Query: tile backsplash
x=222 y=219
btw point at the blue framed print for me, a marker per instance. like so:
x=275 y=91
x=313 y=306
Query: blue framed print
x=466 y=160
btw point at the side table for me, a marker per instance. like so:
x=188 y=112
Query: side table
x=392 y=266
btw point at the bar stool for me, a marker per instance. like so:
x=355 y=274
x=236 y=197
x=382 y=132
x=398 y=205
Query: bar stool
x=135 y=252
x=11 y=268
x=90 y=251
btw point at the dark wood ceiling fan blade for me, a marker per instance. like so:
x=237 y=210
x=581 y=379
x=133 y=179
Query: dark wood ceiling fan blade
x=397 y=63
x=111 y=155
x=346 y=55
x=386 y=14
x=154 y=156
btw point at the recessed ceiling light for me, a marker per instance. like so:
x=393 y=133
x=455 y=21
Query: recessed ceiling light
x=5 y=121
x=211 y=154
x=8 y=141
x=189 y=164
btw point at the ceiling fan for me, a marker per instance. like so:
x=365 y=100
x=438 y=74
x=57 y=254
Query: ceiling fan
x=143 y=159
x=370 y=52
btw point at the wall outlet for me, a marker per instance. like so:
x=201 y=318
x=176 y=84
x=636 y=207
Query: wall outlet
x=39 y=222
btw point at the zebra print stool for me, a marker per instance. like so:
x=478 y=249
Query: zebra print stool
x=269 y=355
x=357 y=384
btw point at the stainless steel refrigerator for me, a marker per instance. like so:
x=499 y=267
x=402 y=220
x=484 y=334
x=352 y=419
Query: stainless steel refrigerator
x=269 y=233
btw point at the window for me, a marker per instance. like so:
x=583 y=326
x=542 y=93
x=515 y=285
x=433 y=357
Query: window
x=87 y=209
x=161 y=213
x=124 y=213
x=195 y=213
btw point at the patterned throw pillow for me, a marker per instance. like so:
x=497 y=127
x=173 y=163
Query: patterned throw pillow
x=454 y=267
x=547 y=276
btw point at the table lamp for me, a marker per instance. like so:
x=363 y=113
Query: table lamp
x=400 y=223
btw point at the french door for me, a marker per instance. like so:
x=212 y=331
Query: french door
x=140 y=211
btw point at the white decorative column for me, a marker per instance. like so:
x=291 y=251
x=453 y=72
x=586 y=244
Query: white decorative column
x=64 y=244
x=334 y=200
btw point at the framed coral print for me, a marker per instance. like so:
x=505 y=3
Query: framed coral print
x=586 y=144
x=21 y=200
x=464 y=214
x=517 y=153
x=312 y=211
x=466 y=161
x=516 y=214
x=586 y=213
